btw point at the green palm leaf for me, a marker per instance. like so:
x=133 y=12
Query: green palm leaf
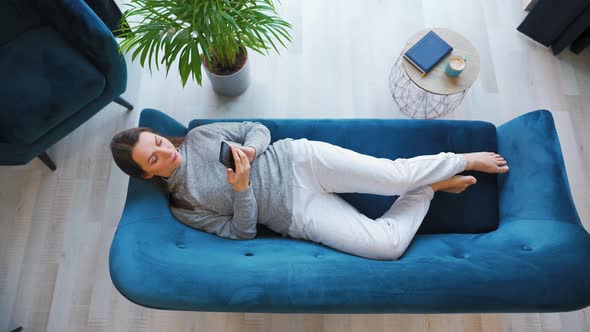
x=192 y=31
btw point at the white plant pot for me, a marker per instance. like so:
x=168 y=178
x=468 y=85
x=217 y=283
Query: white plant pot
x=233 y=84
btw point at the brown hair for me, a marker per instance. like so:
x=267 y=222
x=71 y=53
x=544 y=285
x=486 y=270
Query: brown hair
x=121 y=146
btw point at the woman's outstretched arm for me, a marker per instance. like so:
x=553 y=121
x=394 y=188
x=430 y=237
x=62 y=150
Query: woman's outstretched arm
x=247 y=133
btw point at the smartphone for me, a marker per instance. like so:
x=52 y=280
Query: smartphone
x=226 y=157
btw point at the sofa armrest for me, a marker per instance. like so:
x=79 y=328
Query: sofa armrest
x=78 y=24
x=536 y=186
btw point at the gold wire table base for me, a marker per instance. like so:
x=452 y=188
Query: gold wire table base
x=417 y=102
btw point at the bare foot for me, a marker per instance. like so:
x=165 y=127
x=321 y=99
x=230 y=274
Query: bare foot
x=455 y=185
x=488 y=162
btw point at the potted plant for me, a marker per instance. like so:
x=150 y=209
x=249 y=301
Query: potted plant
x=215 y=33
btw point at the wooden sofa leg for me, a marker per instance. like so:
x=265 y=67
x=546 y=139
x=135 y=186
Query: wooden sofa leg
x=123 y=103
x=47 y=161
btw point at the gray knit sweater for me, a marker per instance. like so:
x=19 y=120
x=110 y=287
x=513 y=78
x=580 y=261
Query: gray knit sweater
x=213 y=206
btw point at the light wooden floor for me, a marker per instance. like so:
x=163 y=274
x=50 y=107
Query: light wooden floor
x=56 y=227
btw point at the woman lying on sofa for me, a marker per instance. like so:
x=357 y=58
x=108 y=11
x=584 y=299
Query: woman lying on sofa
x=290 y=186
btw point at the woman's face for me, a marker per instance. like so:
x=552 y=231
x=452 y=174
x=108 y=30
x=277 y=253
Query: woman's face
x=156 y=155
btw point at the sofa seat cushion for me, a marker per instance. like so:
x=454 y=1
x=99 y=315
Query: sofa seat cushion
x=473 y=211
x=47 y=81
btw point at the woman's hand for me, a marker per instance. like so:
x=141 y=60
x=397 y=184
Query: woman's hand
x=249 y=151
x=241 y=177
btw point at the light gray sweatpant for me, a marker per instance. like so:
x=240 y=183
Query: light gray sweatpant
x=319 y=215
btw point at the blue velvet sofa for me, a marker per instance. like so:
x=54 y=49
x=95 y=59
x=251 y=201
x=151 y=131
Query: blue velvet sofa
x=59 y=65
x=511 y=243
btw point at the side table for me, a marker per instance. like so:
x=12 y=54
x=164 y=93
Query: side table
x=437 y=94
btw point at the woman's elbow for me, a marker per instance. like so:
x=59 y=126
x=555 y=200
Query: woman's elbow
x=250 y=236
x=245 y=236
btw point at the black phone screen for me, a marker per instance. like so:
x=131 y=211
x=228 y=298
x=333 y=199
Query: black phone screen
x=226 y=157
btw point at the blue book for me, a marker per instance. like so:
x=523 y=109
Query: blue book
x=427 y=52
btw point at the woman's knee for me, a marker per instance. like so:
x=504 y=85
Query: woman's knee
x=395 y=255
x=388 y=253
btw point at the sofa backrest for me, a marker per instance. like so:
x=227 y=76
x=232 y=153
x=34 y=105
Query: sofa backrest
x=17 y=17
x=473 y=211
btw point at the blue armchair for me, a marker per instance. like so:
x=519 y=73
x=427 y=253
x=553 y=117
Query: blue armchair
x=59 y=65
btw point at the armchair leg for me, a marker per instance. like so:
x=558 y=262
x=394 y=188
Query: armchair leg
x=123 y=103
x=47 y=161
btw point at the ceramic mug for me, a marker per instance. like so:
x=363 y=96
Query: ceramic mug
x=455 y=65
